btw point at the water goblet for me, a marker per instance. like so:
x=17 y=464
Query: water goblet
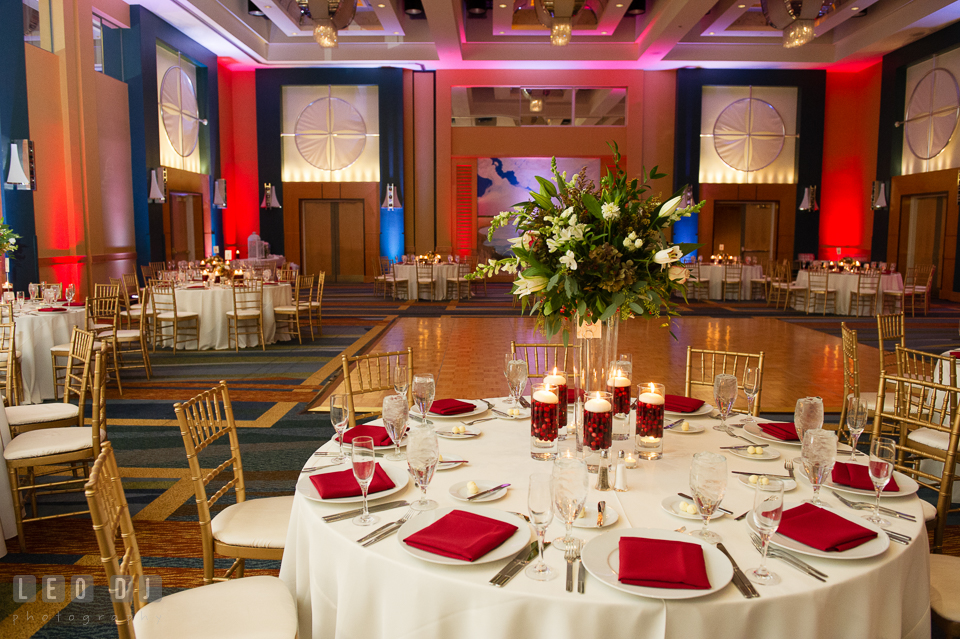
x=33 y=291
x=766 y=513
x=507 y=358
x=395 y=412
x=751 y=388
x=569 y=493
x=883 y=451
x=856 y=421
x=340 y=418
x=424 y=390
x=516 y=379
x=724 y=394
x=400 y=380
x=708 y=483
x=364 y=463
x=819 y=456
x=20 y=301
x=423 y=453
x=807 y=415
x=540 y=507
x=71 y=293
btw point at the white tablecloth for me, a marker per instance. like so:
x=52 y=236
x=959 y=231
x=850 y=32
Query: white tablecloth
x=273 y=262
x=344 y=590
x=714 y=273
x=8 y=522
x=441 y=273
x=212 y=304
x=36 y=334
x=845 y=283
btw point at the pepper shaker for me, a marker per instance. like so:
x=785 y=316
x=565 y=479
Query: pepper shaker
x=603 y=471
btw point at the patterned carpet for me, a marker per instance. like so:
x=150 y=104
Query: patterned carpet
x=269 y=390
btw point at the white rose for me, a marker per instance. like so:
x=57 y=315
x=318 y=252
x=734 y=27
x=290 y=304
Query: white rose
x=666 y=256
x=569 y=260
x=679 y=273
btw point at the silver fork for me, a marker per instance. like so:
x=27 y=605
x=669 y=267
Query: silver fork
x=733 y=434
x=385 y=531
x=788 y=466
x=570 y=555
x=477 y=421
x=862 y=505
x=789 y=559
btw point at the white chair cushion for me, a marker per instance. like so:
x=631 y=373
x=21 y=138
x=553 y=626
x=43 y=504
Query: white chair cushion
x=179 y=316
x=244 y=314
x=889 y=400
x=62 y=350
x=256 y=523
x=40 y=413
x=128 y=335
x=945 y=586
x=930 y=437
x=929 y=510
x=284 y=309
x=50 y=441
x=3 y=356
x=248 y=608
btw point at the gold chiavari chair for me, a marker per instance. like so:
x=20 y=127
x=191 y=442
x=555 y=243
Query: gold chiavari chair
x=44 y=445
x=316 y=304
x=866 y=292
x=394 y=283
x=10 y=361
x=253 y=607
x=921 y=425
x=922 y=287
x=851 y=375
x=305 y=301
x=286 y=275
x=373 y=373
x=247 y=529
x=542 y=359
x=132 y=342
x=456 y=285
x=780 y=284
x=892 y=330
x=380 y=267
x=185 y=326
x=698 y=288
x=732 y=280
x=246 y=318
x=287 y=316
x=818 y=286
x=158 y=267
x=760 y=285
x=426 y=278
x=148 y=273
x=704 y=365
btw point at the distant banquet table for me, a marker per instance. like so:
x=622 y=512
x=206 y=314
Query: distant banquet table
x=845 y=283
x=441 y=273
x=714 y=273
x=36 y=333
x=212 y=305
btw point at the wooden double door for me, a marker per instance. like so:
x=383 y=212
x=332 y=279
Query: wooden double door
x=332 y=237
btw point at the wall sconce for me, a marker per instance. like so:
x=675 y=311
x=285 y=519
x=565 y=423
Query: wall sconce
x=270 y=199
x=390 y=199
x=809 y=202
x=158 y=185
x=878 y=199
x=220 y=193
x=21 y=172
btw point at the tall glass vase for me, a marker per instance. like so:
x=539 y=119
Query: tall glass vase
x=598 y=347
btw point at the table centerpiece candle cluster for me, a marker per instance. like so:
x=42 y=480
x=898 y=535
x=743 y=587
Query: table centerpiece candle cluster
x=650 y=402
x=559 y=379
x=618 y=385
x=544 y=422
x=597 y=427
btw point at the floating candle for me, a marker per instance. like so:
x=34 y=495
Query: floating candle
x=598 y=405
x=650 y=398
x=619 y=381
x=545 y=397
x=556 y=379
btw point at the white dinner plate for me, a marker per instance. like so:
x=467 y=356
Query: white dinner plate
x=753 y=432
x=872 y=548
x=907 y=486
x=601 y=557
x=788 y=484
x=397 y=473
x=589 y=519
x=500 y=403
x=768 y=454
x=671 y=504
x=692 y=430
x=508 y=548
x=444 y=431
x=459 y=490
x=706 y=409
x=479 y=407
x=448 y=465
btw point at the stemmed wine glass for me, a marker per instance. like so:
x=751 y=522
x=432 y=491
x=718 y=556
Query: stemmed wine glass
x=364 y=464
x=540 y=506
x=708 y=483
x=423 y=453
x=807 y=415
x=570 y=493
x=424 y=390
x=395 y=412
x=516 y=379
x=400 y=381
x=856 y=421
x=71 y=293
x=339 y=417
x=507 y=358
x=751 y=388
x=724 y=394
x=20 y=301
x=766 y=513
x=883 y=451
x=819 y=456
x=33 y=291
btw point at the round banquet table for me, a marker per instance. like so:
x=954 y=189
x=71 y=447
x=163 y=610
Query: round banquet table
x=441 y=273
x=213 y=303
x=344 y=590
x=36 y=334
x=714 y=273
x=845 y=283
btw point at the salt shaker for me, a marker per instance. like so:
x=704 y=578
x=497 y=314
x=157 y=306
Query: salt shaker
x=620 y=483
x=603 y=472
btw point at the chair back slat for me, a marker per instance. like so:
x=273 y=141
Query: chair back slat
x=373 y=373
x=892 y=331
x=541 y=359
x=704 y=365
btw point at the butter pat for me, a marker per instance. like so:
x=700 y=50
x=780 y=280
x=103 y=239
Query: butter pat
x=685 y=426
x=753 y=479
x=472 y=488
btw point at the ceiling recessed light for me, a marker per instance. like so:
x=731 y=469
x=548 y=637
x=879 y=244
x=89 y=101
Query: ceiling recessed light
x=711 y=33
x=268 y=6
x=501 y=33
x=741 y=6
x=396 y=33
x=603 y=33
x=854 y=8
x=503 y=6
x=381 y=6
x=619 y=6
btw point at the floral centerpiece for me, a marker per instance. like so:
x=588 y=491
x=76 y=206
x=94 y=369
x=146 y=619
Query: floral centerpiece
x=8 y=239
x=592 y=254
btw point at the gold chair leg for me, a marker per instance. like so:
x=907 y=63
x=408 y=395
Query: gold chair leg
x=17 y=507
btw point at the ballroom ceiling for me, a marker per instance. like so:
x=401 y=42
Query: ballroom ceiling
x=667 y=34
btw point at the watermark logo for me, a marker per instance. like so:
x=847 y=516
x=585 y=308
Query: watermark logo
x=54 y=589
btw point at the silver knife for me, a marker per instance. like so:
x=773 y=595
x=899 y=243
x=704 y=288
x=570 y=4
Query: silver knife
x=523 y=555
x=739 y=579
x=373 y=509
x=744 y=472
x=581 y=577
x=500 y=413
x=524 y=402
x=512 y=571
x=672 y=424
x=487 y=492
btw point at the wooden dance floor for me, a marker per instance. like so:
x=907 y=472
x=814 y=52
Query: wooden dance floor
x=466 y=354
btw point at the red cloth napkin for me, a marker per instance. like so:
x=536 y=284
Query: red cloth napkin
x=344 y=484
x=451 y=407
x=662 y=563
x=681 y=404
x=74 y=304
x=954 y=353
x=857 y=476
x=379 y=434
x=462 y=535
x=822 y=529
x=195 y=286
x=784 y=431
x=269 y=283
x=52 y=309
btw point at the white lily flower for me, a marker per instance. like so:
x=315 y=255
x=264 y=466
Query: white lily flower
x=528 y=285
x=610 y=211
x=669 y=206
x=666 y=256
x=628 y=242
x=553 y=244
x=569 y=260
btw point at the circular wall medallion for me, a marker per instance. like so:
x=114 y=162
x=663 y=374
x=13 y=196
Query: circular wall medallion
x=330 y=134
x=748 y=134
x=932 y=113
x=178 y=109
